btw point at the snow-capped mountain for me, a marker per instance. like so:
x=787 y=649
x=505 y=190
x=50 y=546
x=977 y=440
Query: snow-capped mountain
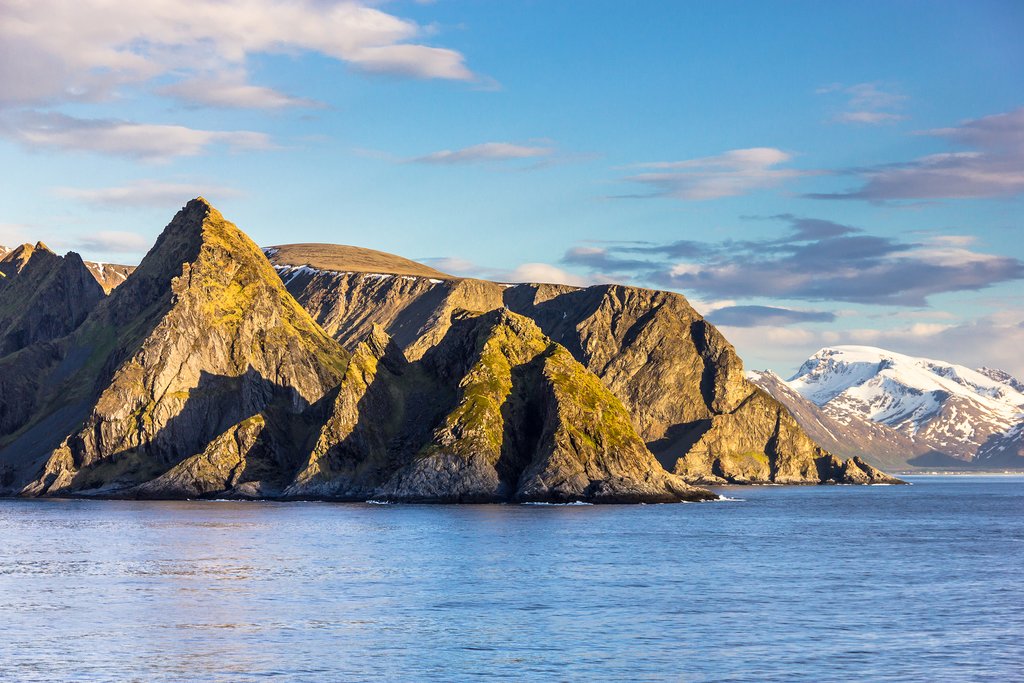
x=939 y=409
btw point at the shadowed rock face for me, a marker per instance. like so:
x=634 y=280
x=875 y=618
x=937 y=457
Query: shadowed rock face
x=202 y=337
x=44 y=297
x=529 y=424
x=680 y=381
x=494 y=412
x=202 y=376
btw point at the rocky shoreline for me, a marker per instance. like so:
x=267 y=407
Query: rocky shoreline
x=212 y=371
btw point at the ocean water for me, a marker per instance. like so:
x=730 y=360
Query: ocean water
x=912 y=583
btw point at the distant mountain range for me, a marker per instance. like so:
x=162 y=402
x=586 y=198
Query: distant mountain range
x=901 y=411
x=107 y=275
x=217 y=369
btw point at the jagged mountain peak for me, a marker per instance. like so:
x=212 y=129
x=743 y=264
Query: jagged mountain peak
x=199 y=342
x=1003 y=377
x=45 y=299
x=834 y=370
x=16 y=259
x=946 y=410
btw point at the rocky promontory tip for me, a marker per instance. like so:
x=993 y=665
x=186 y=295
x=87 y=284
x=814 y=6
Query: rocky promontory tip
x=212 y=371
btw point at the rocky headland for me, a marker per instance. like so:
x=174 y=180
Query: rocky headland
x=217 y=369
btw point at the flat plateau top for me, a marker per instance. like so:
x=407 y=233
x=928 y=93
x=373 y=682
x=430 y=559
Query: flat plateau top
x=348 y=259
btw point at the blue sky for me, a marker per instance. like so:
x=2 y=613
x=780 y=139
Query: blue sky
x=808 y=173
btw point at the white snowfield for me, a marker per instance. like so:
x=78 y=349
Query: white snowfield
x=919 y=396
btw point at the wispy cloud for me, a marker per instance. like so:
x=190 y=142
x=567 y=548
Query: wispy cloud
x=112 y=242
x=145 y=193
x=988 y=340
x=867 y=103
x=816 y=260
x=736 y=172
x=486 y=152
x=53 y=51
x=993 y=165
x=754 y=316
x=144 y=141
x=526 y=272
x=232 y=92
x=871 y=118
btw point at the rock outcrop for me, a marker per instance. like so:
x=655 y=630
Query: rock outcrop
x=201 y=338
x=44 y=297
x=681 y=382
x=201 y=376
x=529 y=424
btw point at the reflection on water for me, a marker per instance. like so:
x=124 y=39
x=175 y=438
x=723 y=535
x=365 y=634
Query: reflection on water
x=840 y=583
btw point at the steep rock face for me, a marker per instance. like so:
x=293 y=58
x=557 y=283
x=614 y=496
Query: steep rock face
x=530 y=424
x=45 y=297
x=854 y=437
x=415 y=311
x=202 y=337
x=678 y=377
x=494 y=412
x=681 y=380
x=382 y=412
x=651 y=349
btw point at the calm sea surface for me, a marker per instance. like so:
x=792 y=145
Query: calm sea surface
x=915 y=583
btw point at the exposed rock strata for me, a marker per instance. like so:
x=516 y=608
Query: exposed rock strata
x=201 y=376
x=202 y=337
x=680 y=380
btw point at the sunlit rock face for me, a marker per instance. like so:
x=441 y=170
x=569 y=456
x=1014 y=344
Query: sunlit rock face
x=219 y=369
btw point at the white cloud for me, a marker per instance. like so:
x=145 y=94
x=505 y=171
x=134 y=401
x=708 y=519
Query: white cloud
x=486 y=152
x=113 y=242
x=453 y=266
x=233 y=92
x=994 y=167
x=545 y=272
x=732 y=173
x=526 y=272
x=145 y=193
x=867 y=103
x=869 y=117
x=993 y=341
x=145 y=141
x=53 y=51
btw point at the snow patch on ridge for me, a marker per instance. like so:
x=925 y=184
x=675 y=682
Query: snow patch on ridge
x=941 y=402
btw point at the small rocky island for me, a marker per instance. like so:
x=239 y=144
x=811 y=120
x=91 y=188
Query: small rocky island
x=217 y=369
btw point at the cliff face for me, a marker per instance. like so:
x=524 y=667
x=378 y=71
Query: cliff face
x=109 y=275
x=494 y=412
x=529 y=424
x=44 y=297
x=680 y=381
x=202 y=376
x=201 y=339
